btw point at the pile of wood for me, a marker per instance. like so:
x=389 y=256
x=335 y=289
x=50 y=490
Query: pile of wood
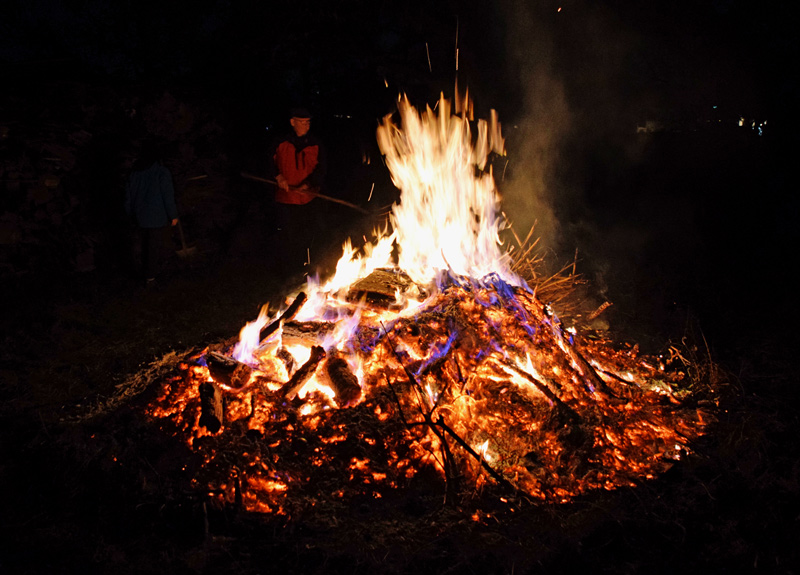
x=481 y=384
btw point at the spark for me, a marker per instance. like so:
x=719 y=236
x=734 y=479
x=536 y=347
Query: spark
x=430 y=68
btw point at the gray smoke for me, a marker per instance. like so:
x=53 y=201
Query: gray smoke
x=535 y=138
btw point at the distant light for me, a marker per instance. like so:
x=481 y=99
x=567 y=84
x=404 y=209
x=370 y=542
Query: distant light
x=714 y=107
x=559 y=8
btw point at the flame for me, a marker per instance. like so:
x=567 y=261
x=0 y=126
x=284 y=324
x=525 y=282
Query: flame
x=447 y=222
x=448 y=218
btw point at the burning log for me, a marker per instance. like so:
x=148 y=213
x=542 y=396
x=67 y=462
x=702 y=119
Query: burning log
x=227 y=371
x=302 y=375
x=305 y=333
x=382 y=286
x=211 y=407
x=287 y=315
x=342 y=380
x=287 y=358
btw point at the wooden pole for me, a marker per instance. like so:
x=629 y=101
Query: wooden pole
x=310 y=193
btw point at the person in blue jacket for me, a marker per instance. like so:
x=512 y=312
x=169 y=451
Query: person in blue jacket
x=150 y=201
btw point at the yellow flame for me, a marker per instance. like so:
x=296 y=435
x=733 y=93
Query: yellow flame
x=448 y=217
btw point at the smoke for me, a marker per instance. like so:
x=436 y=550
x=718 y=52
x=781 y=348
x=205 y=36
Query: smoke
x=577 y=86
x=536 y=135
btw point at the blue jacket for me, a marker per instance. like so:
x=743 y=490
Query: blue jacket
x=150 y=197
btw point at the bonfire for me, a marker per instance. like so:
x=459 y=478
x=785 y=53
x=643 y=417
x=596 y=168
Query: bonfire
x=428 y=353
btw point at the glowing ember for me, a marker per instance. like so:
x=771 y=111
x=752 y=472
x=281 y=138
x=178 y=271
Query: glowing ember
x=444 y=359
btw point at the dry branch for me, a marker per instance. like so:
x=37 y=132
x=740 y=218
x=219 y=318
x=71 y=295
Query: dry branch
x=541 y=386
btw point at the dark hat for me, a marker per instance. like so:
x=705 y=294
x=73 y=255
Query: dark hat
x=299 y=112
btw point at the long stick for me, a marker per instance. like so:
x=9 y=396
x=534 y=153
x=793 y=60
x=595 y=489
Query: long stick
x=310 y=193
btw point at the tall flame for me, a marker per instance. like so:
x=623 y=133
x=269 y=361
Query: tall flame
x=448 y=218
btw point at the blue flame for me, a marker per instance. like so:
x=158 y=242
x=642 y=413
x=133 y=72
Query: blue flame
x=438 y=351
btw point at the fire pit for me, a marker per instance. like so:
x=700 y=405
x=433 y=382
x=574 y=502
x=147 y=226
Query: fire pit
x=425 y=354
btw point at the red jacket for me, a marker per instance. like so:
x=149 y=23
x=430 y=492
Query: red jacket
x=302 y=162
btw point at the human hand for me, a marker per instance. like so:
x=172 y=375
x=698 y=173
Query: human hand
x=282 y=183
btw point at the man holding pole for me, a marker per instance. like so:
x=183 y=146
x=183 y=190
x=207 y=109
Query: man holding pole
x=297 y=163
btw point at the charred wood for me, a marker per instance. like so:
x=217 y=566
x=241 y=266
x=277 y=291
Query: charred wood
x=342 y=380
x=548 y=393
x=381 y=287
x=439 y=422
x=211 y=407
x=228 y=371
x=287 y=315
x=287 y=358
x=305 y=333
x=598 y=385
x=302 y=375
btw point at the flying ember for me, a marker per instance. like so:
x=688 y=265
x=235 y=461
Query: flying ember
x=425 y=353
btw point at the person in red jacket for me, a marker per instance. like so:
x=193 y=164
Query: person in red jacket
x=298 y=164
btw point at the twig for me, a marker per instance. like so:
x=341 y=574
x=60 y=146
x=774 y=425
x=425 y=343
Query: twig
x=545 y=390
x=599 y=310
x=575 y=261
x=489 y=469
x=451 y=478
x=440 y=423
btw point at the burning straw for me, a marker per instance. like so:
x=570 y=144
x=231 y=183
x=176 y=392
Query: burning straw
x=430 y=351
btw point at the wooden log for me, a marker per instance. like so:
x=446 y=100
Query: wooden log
x=343 y=381
x=228 y=371
x=381 y=286
x=287 y=315
x=305 y=333
x=302 y=375
x=211 y=407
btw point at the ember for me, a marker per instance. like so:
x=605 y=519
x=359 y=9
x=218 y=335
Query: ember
x=425 y=353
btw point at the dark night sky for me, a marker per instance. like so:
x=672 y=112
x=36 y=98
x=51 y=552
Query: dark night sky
x=675 y=55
